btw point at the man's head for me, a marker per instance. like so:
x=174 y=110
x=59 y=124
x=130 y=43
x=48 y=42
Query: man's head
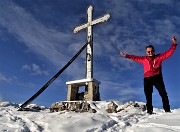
x=150 y=51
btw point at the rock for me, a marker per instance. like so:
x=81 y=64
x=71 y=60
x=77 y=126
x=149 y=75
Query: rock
x=58 y=106
x=112 y=107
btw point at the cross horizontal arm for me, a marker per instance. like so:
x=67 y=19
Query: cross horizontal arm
x=83 y=26
x=96 y=21
x=101 y=19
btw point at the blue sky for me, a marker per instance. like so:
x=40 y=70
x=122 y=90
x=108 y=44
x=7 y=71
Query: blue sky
x=36 y=41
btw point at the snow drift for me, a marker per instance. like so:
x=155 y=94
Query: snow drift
x=130 y=119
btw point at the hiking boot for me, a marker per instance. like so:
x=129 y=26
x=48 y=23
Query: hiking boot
x=150 y=112
x=168 y=111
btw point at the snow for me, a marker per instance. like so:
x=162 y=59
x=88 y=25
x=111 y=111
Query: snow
x=131 y=119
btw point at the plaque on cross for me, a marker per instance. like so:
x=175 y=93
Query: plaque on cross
x=89 y=26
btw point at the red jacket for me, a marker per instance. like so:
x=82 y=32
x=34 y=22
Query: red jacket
x=152 y=65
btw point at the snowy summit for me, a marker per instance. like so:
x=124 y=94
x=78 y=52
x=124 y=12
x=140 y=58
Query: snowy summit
x=130 y=118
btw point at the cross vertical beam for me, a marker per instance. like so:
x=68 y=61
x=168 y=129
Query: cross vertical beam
x=89 y=49
x=89 y=26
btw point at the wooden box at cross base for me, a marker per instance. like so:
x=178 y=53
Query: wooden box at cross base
x=91 y=92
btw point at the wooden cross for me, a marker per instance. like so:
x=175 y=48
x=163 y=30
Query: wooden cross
x=89 y=49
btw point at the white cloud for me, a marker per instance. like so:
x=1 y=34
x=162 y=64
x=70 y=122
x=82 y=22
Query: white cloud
x=14 y=80
x=4 y=78
x=124 y=89
x=34 y=69
x=49 y=43
x=39 y=39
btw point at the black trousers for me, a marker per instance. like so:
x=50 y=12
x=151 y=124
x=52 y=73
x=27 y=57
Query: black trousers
x=158 y=82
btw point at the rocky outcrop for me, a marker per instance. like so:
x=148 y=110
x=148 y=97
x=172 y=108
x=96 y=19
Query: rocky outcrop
x=77 y=106
x=112 y=107
x=84 y=106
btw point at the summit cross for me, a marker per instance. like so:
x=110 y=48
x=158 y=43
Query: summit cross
x=89 y=26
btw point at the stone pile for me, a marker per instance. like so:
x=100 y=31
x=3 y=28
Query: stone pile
x=77 y=106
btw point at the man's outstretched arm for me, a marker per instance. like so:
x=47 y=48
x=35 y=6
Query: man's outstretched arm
x=132 y=57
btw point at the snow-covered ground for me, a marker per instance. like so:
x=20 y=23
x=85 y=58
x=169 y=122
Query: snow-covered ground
x=131 y=119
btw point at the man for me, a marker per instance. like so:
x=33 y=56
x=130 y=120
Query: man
x=153 y=73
